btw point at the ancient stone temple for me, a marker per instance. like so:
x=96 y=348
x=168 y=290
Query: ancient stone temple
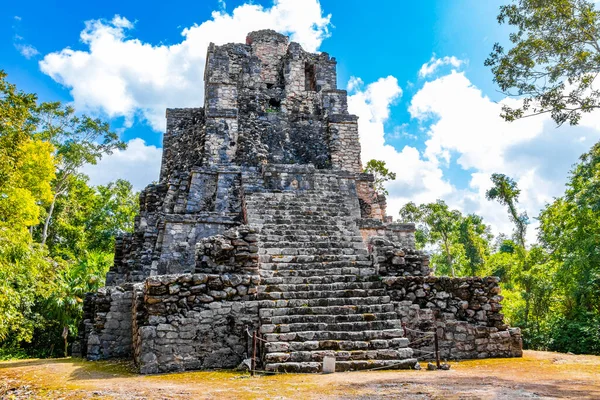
x=262 y=221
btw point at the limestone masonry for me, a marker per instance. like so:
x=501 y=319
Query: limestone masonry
x=263 y=221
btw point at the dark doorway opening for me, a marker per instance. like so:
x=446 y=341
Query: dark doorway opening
x=310 y=77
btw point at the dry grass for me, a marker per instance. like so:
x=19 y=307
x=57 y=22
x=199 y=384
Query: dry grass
x=540 y=375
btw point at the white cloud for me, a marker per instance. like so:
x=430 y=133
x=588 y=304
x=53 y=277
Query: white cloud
x=466 y=124
x=430 y=67
x=27 y=50
x=465 y=131
x=417 y=179
x=139 y=164
x=123 y=76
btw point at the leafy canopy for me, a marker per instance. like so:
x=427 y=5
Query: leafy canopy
x=461 y=243
x=42 y=148
x=554 y=59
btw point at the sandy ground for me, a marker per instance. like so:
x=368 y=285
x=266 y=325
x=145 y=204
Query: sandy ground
x=538 y=375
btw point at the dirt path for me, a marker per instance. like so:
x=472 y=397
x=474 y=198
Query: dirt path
x=538 y=375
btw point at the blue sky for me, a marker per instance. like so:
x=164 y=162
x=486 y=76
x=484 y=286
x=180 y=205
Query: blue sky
x=414 y=71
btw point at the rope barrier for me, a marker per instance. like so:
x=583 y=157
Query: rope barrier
x=257 y=337
x=427 y=336
x=418 y=341
x=413 y=330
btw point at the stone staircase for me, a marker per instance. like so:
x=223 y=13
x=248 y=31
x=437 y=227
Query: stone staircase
x=319 y=294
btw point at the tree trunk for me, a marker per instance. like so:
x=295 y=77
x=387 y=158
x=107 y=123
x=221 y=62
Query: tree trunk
x=48 y=218
x=65 y=336
x=449 y=257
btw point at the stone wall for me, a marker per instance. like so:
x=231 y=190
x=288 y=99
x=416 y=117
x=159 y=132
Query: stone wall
x=194 y=321
x=235 y=251
x=392 y=259
x=401 y=234
x=463 y=312
x=109 y=335
x=344 y=141
x=183 y=143
x=370 y=207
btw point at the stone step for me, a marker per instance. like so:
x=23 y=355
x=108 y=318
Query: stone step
x=325 y=302
x=321 y=286
x=328 y=318
x=297 y=237
x=332 y=243
x=332 y=326
x=334 y=214
x=319 y=279
x=362 y=272
x=311 y=356
x=325 y=258
x=322 y=232
x=327 y=310
x=285 y=209
x=301 y=224
x=314 y=262
x=336 y=345
x=285 y=231
x=318 y=199
x=319 y=294
x=326 y=196
x=334 y=336
x=334 y=254
x=321 y=194
x=341 y=366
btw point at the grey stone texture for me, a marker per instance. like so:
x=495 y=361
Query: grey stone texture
x=262 y=221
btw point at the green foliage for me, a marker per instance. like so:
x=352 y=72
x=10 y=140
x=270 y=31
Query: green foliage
x=380 y=173
x=26 y=276
x=78 y=140
x=505 y=191
x=56 y=232
x=554 y=59
x=578 y=333
x=461 y=243
x=552 y=288
x=552 y=66
x=570 y=230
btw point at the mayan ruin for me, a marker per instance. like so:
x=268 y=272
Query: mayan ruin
x=263 y=221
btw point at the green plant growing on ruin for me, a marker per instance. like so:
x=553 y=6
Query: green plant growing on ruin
x=381 y=175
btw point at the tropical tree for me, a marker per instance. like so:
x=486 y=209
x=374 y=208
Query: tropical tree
x=475 y=238
x=78 y=140
x=570 y=231
x=461 y=243
x=26 y=170
x=506 y=192
x=44 y=273
x=554 y=60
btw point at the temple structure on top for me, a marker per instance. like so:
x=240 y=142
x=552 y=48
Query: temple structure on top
x=263 y=221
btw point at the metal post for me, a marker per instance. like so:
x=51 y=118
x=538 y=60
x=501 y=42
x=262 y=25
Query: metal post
x=437 y=350
x=253 y=361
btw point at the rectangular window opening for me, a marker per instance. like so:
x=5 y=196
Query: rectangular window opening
x=310 y=77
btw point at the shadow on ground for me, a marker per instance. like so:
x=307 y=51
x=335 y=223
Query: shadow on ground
x=469 y=388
